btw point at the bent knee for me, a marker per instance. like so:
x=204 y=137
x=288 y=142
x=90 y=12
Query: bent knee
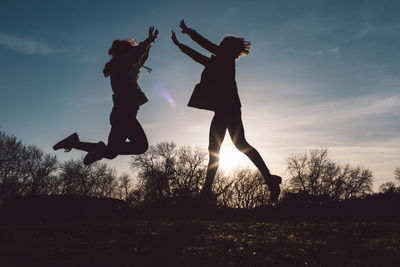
x=213 y=147
x=243 y=146
x=110 y=154
x=143 y=147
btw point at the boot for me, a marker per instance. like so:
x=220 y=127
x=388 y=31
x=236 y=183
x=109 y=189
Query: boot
x=68 y=143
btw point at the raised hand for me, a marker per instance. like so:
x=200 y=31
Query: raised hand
x=151 y=29
x=155 y=34
x=174 y=40
x=183 y=26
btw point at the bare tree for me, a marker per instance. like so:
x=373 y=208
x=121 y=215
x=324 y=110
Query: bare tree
x=136 y=196
x=388 y=187
x=223 y=189
x=188 y=171
x=314 y=173
x=249 y=189
x=95 y=180
x=357 y=183
x=105 y=180
x=155 y=169
x=11 y=165
x=166 y=171
x=38 y=169
x=24 y=169
x=397 y=174
x=124 y=186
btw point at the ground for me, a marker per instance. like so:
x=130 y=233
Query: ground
x=171 y=242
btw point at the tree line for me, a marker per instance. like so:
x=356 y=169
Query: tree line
x=168 y=173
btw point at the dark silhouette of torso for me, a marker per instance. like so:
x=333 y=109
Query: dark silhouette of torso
x=217 y=89
x=219 y=84
x=125 y=72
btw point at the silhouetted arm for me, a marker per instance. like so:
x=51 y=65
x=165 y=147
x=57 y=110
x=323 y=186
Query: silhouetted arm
x=196 y=56
x=144 y=57
x=206 y=44
x=140 y=53
x=203 y=42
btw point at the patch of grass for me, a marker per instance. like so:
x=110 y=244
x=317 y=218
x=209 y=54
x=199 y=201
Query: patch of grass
x=201 y=243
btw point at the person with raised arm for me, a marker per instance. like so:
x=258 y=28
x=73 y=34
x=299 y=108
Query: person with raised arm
x=218 y=92
x=123 y=69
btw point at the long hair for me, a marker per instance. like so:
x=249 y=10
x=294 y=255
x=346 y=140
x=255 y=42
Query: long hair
x=118 y=48
x=235 y=46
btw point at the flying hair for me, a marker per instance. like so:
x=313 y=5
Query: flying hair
x=235 y=46
x=118 y=47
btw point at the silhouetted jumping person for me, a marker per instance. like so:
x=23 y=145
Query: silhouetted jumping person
x=217 y=91
x=124 y=71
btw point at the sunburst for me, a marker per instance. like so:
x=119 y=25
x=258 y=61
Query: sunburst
x=230 y=158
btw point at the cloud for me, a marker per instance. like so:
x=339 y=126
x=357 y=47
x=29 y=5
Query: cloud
x=357 y=130
x=334 y=50
x=367 y=29
x=321 y=52
x=317 y=53
x=383 y=29
x=346 y=121
x=25 y=45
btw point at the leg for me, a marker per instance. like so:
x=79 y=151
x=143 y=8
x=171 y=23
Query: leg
x=236 y=131
x=119 y=118
x=125 y=125
x=217 y=134
x=85 y=146
x=117 y=144
x=95 y=150
x=116 y=139
x=138 y=141
x=73 y=141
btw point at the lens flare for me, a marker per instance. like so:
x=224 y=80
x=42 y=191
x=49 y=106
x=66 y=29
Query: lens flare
x=230 y=158
x=164 y=93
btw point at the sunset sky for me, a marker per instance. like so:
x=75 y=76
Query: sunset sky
x=321 y=73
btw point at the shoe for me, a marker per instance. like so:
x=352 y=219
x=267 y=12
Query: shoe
x=68 y=143
x=273 y=183
x=95 y=154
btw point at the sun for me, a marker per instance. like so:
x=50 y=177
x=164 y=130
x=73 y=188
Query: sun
x=230 y=158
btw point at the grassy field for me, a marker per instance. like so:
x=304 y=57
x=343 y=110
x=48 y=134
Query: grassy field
x=139 y=242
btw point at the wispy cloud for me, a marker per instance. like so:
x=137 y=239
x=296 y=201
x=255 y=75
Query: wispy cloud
x=317 y=53
x=358 y=130
x=334 y=50
x=367 y=29
x=350 y=120
x=25 y=45
x=329 y=51
x=383 y=29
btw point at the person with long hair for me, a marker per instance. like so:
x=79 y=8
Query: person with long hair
x=217 y=91
x=123 y=69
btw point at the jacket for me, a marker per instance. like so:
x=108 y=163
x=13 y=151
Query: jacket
x=217 y=89
x=125 y=72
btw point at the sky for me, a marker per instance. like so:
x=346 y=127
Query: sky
x=321 y=73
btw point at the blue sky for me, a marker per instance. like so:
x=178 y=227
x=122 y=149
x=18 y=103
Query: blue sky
x=320 y=73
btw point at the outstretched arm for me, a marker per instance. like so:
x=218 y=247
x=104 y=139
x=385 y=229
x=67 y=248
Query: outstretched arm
x=141 y=52
x=206 y=44
x=150 y=39
x=144 y=57
x=196 y=56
